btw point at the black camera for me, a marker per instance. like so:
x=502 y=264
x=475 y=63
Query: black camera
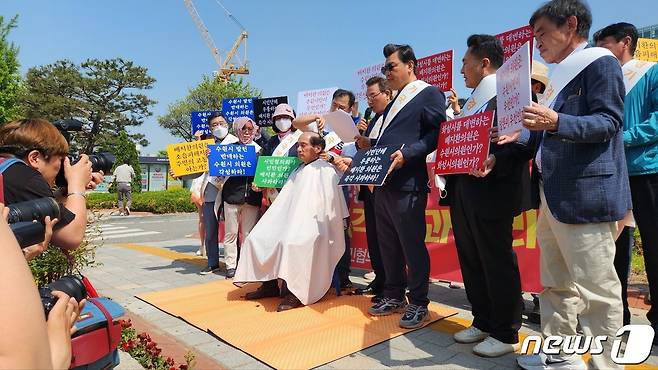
x=99 y=161
x=70 y=284
x=26 y=219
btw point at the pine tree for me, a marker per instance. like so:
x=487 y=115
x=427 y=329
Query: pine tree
x=10 y=78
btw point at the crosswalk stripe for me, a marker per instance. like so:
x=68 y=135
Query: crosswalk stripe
x=112 y=232
x=113 y=227
x=143 y=233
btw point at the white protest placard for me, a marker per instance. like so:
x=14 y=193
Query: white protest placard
x=362 y=75
x=342 y=124
x=314 y=101
x=513 y=90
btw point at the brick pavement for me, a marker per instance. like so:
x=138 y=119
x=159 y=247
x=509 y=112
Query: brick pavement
x=163 y=265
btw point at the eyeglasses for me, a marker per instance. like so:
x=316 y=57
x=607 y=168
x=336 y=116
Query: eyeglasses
x=372 y=97
x=388 y=67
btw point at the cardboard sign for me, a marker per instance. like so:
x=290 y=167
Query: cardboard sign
x=514 y=39
x=362 y=75
x=370 y=166
x=513 y=90
x=463 y=144
x=647 y=50
x=200 y=121
x=314 y=101
x=273 y=172
x=232 y=160
x=263 y=109
x=436 y=70
x=190 y=157
x=233 y=108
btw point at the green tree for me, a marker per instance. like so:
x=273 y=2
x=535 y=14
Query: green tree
x=207 y=95
x=125 y=151
x=10 y=78
x=104 y=94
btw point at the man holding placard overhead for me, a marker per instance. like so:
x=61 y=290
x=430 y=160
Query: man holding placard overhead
x=412 y=119
x=581 y=177
x=641 y=142
x=483 y=204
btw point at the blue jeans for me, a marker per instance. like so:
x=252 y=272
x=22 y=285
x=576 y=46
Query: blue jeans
x=211 y=224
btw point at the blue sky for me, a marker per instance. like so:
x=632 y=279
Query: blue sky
x=293 y=45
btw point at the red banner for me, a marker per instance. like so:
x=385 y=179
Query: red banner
x=514 y=39
x=463 y=143
x=440 y=242
x=436 y=70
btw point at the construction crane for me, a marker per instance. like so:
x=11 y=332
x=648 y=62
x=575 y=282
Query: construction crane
x=227 y=67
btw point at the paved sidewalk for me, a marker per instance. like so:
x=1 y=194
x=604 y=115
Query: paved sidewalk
x=126 y=272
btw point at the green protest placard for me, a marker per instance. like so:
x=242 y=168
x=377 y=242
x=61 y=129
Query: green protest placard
x=272 y=172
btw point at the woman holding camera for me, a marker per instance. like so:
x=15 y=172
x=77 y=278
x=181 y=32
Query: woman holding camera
x=39 y=151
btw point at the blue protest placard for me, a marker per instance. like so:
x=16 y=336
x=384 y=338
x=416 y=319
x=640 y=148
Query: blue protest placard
x=232 y=160
x=200 y=121
x=233 y=108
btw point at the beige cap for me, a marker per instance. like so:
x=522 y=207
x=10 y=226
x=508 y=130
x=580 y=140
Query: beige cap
x=540 y=73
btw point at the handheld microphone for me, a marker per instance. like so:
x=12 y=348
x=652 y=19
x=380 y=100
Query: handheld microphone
x=366 y=116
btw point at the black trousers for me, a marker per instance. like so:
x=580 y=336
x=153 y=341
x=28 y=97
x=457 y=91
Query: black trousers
x=489 y=268
x=624 y=246
x=401 y=228
x=373 y=244
x=343 y=266
x=644 y=191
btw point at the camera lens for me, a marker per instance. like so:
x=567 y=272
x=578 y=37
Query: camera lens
x=33 y=210
x=102 y=162
x=71 y=285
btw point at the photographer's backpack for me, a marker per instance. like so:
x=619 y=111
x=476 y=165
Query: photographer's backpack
x=94 y=345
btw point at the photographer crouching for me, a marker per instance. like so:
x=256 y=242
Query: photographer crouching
x=37 y=152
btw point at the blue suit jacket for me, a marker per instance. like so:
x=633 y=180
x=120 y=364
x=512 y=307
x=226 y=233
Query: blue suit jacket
x=583 y=162
x=417 y=127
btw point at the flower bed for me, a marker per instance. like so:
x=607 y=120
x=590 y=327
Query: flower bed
x=146 y=351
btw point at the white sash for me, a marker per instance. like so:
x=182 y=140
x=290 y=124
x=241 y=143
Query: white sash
x=568 y=69
x=633 y=71
x=377 y=128
x=284 y=146
x=405 y=96
x=485 y=91
x=229 y=139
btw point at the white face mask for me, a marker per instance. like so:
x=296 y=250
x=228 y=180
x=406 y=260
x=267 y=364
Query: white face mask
x=283 y=124
x=220 y=132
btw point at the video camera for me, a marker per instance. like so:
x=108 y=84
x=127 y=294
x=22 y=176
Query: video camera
x=99 y=161
x=26 y=219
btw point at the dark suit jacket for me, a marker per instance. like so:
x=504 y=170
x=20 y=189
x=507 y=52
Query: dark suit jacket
x=417 y=127
x=504 y=192
x=583 y=162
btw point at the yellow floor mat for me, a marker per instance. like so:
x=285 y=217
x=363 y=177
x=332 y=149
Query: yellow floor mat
x=305 y=337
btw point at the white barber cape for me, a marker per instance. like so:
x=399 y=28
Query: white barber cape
x=300 y=238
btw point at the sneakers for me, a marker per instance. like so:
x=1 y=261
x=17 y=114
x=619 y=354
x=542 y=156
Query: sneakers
x=386 y=307
x=470 y=335
x=492 y=347
x=230 y=273
x=414 y=316
x=288 y=303
x=208 y=270
x=542 y=361
x=198 y=253
x=370 y=276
